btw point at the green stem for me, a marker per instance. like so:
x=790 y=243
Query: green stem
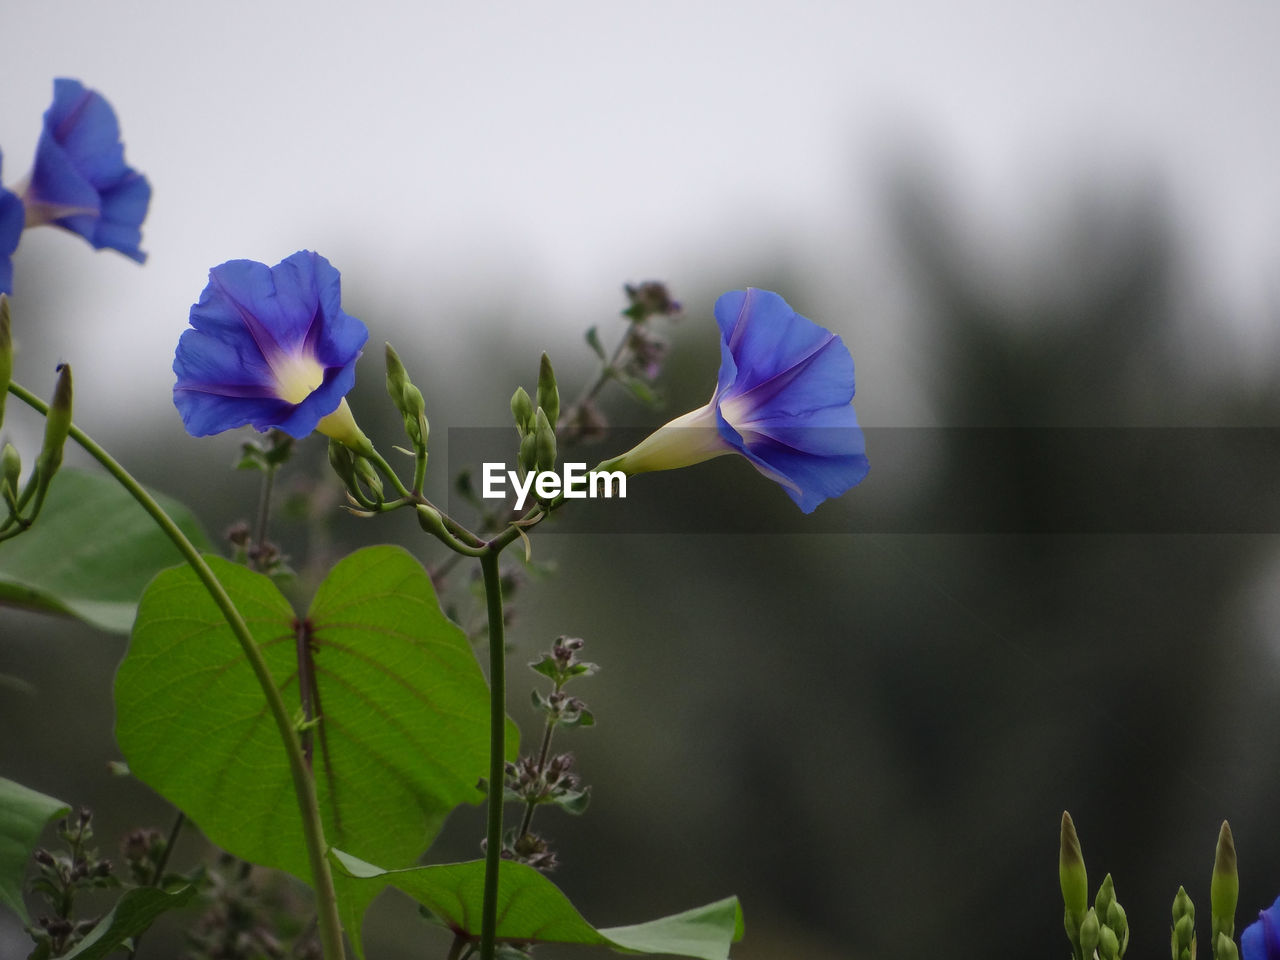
x=497 y=750
x=303 y=785
x=260 y=526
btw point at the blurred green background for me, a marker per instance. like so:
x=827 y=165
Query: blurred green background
x=869 y=737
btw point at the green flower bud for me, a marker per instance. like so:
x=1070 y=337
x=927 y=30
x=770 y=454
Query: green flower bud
x=10 y=471
x=367 y=475
x=1118 y=921
x=1108 y=944
x=1224 y=888
x=1073 y=879
x=6 y=352
x=1090 y=933
x=522 y=411
x=548 y=392
x=56 y=425
x=1224 y=948
x=397 y=377
x=1106 y=896
x=415 y=418
x=545 y=436
x=529 y=452
x=1183 y=937
x=430 y=520
x=343 y=461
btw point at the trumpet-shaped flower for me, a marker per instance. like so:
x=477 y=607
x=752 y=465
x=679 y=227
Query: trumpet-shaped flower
x=783 y=400
x=12 y=218
x=270 y=347
x=80 y=181
x=1261 y=939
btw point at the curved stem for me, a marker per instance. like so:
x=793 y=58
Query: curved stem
x=303 y=785
x=497 y=750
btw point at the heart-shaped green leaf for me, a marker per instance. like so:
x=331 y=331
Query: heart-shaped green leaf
x=23 y=816
x=531 y=909
x=402 y=736
x=91 y=552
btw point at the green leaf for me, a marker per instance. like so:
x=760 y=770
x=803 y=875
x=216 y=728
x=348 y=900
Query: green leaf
x=593 y=341
x=57 y=567
x=531 y=909
x=403 y=707
x=133 y=914
x=23 y=816
x=573 y=801
x=642 y=392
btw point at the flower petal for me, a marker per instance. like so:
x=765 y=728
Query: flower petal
x=765 y=336
x=1261 y=939
x=12 y=217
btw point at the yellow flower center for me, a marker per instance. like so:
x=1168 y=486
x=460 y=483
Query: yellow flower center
x=297 y=376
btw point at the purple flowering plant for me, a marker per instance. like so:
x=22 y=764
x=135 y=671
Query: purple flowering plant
x=332 y=745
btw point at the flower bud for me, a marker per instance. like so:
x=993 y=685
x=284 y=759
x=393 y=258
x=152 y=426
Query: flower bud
x=430 y=520
x=548 y=392
x=1108 y=944
x=6 y=352
x=1118 y=921
x=397 y=378
x=57 y=424
x=1073 y=878
x=10 y=471
x=343 y=462
x=1106 y=897
x=1224 y=887
x=367 y=475
x=415 y=418
x=1182 y=940
x=545 y=437
x=528 y=455
x=522 y=411
x=1224 y=948
x=1090 y=933
x=407 y=398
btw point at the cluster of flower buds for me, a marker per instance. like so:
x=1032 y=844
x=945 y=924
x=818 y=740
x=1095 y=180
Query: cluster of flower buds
x=650 y=299
x=242 y=920
x=20 y=507
x=358 y=475
x=1101 y=932
x=143 y=851
x=408 y=400
x=536 y=422
x=61 y=876
x=536 y=781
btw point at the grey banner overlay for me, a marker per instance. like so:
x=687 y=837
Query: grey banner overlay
x=1027 y=480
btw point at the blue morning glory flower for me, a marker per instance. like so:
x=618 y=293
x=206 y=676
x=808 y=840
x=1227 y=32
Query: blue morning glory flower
x=783 y=400
x=270 y=347
x=80 y=181
x=1261 y=939
x=12 y=218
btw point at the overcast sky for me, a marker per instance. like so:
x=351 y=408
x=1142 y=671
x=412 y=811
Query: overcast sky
x=437 y=152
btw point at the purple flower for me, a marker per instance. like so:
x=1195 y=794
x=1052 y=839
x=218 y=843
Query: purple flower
x=1261 y=939
x=80 y=181
x=271 y=347
x=784 y=400
x=12 y=217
